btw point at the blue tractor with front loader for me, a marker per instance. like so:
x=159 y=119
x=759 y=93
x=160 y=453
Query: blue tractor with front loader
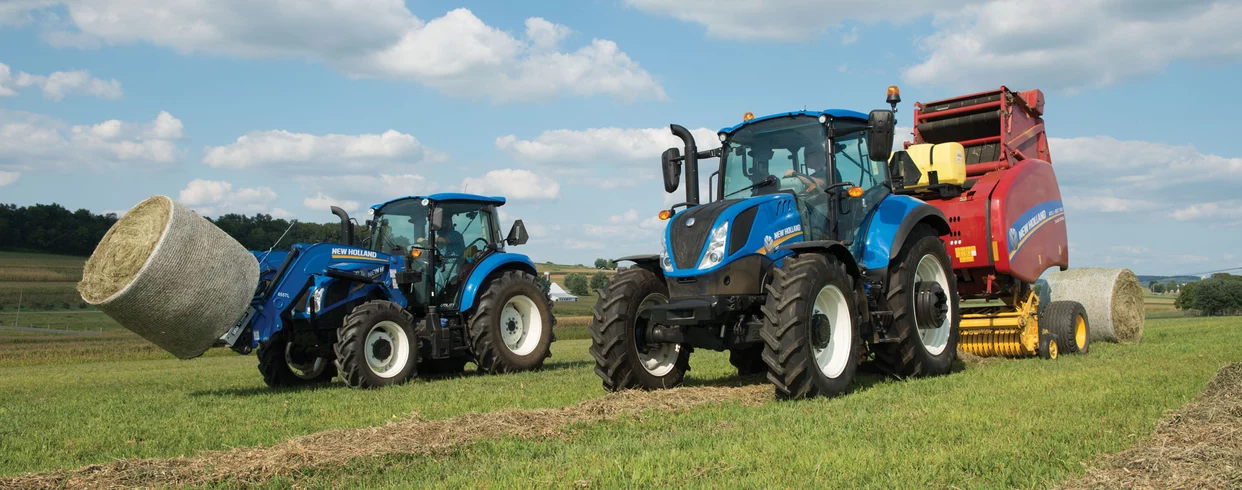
x=427 y=290
x=804 y=265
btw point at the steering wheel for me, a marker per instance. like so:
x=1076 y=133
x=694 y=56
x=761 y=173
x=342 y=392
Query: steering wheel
x=479 y=239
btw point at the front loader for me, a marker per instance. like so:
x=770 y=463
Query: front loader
x=429 y=289
x=802 y=262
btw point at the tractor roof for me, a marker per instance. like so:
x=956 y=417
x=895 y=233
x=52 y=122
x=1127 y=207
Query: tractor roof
x=449 y=196
x=834 y=113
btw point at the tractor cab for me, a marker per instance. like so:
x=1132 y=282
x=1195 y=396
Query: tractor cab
x=442 y=237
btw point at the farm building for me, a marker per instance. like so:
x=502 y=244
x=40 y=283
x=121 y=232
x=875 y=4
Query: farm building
x=559 y=294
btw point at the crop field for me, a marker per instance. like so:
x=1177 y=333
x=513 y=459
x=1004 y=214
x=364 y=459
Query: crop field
x=141 y=417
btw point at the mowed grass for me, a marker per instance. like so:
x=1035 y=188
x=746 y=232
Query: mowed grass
x=1006 y=423
x=39 y=281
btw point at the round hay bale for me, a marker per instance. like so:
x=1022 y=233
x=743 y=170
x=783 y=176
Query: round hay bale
x=1113 y=299
x=170 y=276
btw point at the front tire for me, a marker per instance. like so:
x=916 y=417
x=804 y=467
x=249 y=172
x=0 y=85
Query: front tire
x=748 y=360
x=376 y=346
x=811 y=341
x=511 y=329
x=926 y=313
x=282 y=365
x=619 y=321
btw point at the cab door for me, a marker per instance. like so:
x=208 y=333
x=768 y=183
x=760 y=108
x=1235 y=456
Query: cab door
x=854 y=165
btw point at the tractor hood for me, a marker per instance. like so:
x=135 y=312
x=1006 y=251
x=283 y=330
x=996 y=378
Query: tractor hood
x=705 y=238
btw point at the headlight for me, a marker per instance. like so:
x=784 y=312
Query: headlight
x=316 y=300
x=716 y=248
x=665 y=262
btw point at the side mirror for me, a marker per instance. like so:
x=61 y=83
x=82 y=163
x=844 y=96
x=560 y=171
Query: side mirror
x=437 y=219
x=880 y=125
x=671 y=164
x=517 y=234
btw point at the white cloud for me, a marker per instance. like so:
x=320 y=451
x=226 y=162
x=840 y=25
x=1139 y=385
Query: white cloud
x=371 y=189
x=323 y=202
x=7 y=178
x=850 y=37
x=1073 y=44
x=456 y=53
x=583 y=245
x=600 y=145
x=17 y=12
x=29 y=141
x=331 y=151
x=513 y=184
x=629 y=226
x=786 y=20
x=58 y=85
x=1105 y=175
x=1220 y=210
x=1056 y=44
x=213 y=197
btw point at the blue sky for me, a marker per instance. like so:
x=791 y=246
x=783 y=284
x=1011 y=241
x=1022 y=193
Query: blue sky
x=287 y=107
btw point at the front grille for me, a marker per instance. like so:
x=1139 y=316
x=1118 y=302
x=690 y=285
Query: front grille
x=687 y=241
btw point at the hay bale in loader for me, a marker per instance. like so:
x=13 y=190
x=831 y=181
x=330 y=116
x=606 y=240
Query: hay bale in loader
x=170 y=276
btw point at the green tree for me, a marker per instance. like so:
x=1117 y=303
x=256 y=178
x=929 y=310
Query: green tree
x=577 y=284
x=1157 y=287
x=599 y=281
x=544 y=284
x=1186 y=298
x=612 y=265
x=601 y=263
x=1151 y=285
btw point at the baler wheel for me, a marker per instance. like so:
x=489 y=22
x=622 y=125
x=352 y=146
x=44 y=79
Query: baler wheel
x=623 y=360
x=511 y=329
x=1048 y=346
x=375 y=346
x=279 y=368
x=922 y=294
x=1068 y=321
x=811 y=341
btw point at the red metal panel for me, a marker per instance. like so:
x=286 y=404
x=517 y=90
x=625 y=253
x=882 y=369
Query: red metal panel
x=1028 y=222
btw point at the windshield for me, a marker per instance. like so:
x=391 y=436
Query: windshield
x=783 y=148
x=398 y=226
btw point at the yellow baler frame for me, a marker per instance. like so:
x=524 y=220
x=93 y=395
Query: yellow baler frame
x=1013 y=333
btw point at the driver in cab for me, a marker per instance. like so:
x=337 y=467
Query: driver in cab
x=816 y=162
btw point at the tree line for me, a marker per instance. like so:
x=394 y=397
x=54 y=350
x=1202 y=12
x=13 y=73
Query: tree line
x=1220 y=294
x=54 y=229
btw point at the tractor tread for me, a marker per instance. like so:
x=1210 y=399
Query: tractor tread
x=275 y=369
x=611 y=339
x=351 y=364
x=907 y=357
x=484 y=335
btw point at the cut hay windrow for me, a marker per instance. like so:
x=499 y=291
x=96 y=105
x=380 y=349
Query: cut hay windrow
x=1113 y=299
x=169 y=275
x=1197 y=447
x=413 y=436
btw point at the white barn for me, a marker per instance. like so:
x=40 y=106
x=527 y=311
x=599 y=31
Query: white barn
x=559 y=294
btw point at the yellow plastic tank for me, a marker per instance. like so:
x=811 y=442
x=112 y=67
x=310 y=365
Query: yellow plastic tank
x=948 y=160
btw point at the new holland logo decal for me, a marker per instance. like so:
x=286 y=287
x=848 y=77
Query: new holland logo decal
x=1032 y=221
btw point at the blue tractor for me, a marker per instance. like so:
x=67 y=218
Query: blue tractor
x=804 y=265
x=428 y=289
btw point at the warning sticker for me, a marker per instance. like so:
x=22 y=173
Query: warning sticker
x=966 y=254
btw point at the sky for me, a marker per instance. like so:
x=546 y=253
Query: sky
x=288 y=107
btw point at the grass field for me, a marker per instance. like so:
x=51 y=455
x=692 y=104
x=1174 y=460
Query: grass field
x=72 y=400
x=40 y=281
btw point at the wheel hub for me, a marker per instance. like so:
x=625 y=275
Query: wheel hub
x=821 y=330
x=931 y=304
x=381 y=349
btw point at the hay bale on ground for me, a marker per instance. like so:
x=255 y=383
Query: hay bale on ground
x=170 y=276
x=1113 y=299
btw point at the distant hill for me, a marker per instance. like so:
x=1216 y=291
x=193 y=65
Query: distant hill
x=1145 y=280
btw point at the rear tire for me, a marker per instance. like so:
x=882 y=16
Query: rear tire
x=511 y=329
x=919 y=350
x=811 y=341
x=622 y=360
x=376 y=346
x=1068 y=321
x=280 y=368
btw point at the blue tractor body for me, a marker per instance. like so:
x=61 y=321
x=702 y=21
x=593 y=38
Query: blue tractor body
x=802 y=208
x=308 y=294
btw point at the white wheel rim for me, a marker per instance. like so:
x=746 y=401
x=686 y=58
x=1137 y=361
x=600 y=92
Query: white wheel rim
x=387 y=363
x=304 y=371
x=661 y=360
x=833 y=357
x=521 y=325
x=934 y=339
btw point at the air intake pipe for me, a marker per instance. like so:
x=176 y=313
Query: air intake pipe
x=347 y=228
x=691 y=162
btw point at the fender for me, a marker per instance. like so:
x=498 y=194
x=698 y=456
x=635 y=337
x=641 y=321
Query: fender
x=830 y=247
x=481 y=272
x=650 y=262
x=891 y=222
